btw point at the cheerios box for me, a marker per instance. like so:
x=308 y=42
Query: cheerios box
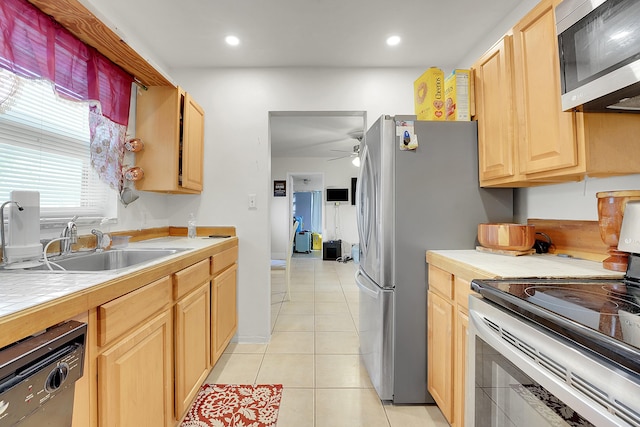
x=428 y=92
x=456 y=96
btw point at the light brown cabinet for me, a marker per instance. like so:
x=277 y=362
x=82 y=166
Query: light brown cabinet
x=171 y=125
x=547 y=138
x=136 y=364
x=494 y=94
x=448 y=320
x=135 y=377
x=540 y=143
x=440 y=352
x=224 y=316
x=192 y=333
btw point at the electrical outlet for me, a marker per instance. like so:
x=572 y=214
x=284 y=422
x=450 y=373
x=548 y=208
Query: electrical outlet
x=252 y=201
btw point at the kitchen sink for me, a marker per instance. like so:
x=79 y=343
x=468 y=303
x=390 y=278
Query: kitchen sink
x=114 y=259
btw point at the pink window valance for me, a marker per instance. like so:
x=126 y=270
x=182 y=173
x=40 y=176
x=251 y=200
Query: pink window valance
x=33 y=45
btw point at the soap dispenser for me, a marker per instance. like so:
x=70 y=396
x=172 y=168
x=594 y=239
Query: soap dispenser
x=191 y=227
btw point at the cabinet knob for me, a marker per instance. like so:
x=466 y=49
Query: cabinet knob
x=134 y=174
x=134 y=145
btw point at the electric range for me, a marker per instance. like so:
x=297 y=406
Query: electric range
x=601 y=315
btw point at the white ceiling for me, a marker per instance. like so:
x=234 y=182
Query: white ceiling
x=304 y=33
x=315 y=134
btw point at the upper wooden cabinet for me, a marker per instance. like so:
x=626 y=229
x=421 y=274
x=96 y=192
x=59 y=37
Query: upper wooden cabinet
x=547 y=138
x=171 y=125
x=495 y=105
x=524 y=137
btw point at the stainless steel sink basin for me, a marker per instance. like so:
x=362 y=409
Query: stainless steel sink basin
x=114 y=259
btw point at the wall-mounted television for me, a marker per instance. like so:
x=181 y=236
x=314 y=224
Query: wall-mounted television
x=337 y=194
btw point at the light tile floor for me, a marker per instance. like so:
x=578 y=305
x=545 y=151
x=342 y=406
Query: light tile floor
x=314 y=353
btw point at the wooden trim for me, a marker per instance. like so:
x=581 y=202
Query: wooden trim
x=204 y=231
x=87 y=27
x=580 y=239
x=144 y=234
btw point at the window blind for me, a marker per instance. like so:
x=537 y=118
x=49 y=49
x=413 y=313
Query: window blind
x=44 y=146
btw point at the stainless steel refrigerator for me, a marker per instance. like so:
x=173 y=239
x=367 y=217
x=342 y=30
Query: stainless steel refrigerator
x=411 y=199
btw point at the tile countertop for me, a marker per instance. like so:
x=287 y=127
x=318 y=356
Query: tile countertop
x=21 y=290
x=485 y=265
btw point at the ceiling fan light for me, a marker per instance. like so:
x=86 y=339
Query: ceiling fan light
x=356 y=161
x=232 y=40
x=393 y=40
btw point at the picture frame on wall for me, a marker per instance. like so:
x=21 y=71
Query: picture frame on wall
x=280 y=188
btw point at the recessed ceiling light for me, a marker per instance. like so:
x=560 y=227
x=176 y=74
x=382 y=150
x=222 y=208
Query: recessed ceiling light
x=232 y=40
x=393 y=40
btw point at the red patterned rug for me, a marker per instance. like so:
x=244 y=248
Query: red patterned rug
x=227 y=405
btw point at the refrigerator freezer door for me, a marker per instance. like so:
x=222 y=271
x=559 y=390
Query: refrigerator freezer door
x=376 y=339
x=375 y=202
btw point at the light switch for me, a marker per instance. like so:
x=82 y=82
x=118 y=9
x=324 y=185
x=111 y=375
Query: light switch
x=252 y=201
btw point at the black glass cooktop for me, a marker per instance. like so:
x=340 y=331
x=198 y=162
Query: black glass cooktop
x=602 y=316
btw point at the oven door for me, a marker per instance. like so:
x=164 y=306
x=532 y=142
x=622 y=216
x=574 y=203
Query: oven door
x=519 y=374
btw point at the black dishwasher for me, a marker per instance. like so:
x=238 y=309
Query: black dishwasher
x=38 y=375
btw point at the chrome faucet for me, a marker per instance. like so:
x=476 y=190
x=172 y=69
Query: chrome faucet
x=99 y=239
x=4 y=251
x=69 y=236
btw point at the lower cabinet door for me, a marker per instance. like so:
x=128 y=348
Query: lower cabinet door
x=135 y=377
x=224 y=318
x=193 y=345
x=460 y=368
x=440 y=352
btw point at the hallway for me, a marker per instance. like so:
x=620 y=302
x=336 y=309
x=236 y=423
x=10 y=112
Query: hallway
x=314 y=353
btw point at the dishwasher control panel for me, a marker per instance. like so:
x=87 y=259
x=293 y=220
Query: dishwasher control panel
x=39 y=375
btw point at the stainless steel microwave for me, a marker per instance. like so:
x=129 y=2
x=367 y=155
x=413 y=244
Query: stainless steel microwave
x=599 y=46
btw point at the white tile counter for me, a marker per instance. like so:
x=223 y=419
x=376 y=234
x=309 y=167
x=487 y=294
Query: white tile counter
x=27 y=292
x=503 y=266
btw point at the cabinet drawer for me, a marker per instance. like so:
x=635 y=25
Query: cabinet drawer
x=441 y=281
x=223 y=260
x=462 y=292
x=184 y=281
x=128 y=311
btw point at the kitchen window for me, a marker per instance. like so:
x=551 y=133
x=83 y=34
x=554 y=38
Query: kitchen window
x=64 y=110
x=44 y=146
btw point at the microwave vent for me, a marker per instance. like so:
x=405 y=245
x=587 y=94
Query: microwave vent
x=629 y=104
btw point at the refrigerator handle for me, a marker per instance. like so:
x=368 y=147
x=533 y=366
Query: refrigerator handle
x=364 y=288
x=363 y=215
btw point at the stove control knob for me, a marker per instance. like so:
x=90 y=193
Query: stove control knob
x=57 y=377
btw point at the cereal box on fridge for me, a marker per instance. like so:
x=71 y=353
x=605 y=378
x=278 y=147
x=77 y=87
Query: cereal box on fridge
x=456 y=96
x=429 y=95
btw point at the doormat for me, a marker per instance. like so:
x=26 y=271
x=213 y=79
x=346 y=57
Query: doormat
x=548 y=406
x=229 y=405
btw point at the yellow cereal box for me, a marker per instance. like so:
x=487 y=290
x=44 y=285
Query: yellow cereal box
x=429 y=95
x=456 y=96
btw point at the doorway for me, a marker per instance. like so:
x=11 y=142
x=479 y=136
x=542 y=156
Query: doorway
x=307 y=208
x=320 y=142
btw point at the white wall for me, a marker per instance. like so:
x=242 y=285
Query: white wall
x=575 y=200
x=495 y=33
x=238 y=161
x=337 y=173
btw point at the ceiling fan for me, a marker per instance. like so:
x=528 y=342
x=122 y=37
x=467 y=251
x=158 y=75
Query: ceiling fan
x=353 y=153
